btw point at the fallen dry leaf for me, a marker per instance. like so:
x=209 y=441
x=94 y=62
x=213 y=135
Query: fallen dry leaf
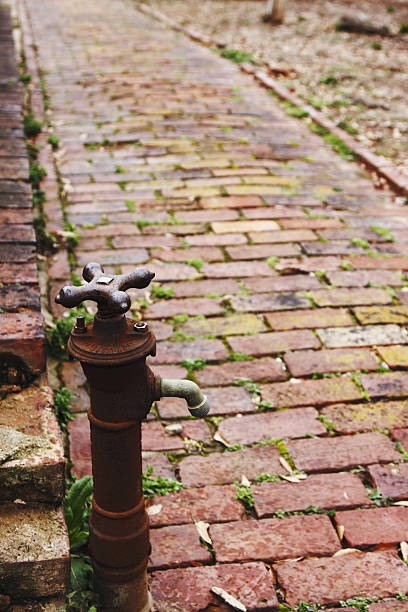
x=152 y=510
x=218 y=437
x=285 y=464
x=404 y=550
x=202 y=529
x=245 y=481
x=401 y=503
x=340 y=531
x=229 y=599
x=346 y=551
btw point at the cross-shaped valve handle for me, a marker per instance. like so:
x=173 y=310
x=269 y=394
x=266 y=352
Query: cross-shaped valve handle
x=107 y=290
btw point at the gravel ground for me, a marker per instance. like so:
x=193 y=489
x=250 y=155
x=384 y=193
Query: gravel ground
x=356 y=80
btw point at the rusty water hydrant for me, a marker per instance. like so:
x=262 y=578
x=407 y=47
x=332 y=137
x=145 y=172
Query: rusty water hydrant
x=112 y=350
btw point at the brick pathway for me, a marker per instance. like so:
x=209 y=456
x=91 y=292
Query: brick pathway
x=282 y=265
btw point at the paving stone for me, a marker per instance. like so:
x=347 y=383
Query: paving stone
x=318 y=317
x=352 y=418
x=340 y=490
x=271 y=426
x=363 y=278
x=264 y=302
x=351 y=297
x=176 y=546
x=274 y=539
x=374 y=526
x=391 y=480
x=170 y=308
x=174 y=352
x=264 y=369
x=220 y=326
x=227 y=467
x=296 y=282
x=34 y=558
x=303 y=363
x=386 y=314
x=328 y=581
x=226 y=400
x=237 y=269
x=342 y=452
x=211 y=504
x=207 y=288
x=22 y=336
x=297 y=392
x=389 y=384
x=394 y=356
x=249 y=583
x=271 y=343
x=282 y=236
x=362 y=336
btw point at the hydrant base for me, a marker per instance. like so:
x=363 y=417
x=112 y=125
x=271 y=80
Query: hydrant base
x=123 y=597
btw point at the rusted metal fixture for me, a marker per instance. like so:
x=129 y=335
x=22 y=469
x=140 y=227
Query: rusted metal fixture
x=112 y=350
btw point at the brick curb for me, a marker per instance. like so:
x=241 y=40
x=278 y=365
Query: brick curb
x=382 y=167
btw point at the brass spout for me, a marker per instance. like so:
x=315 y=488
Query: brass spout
x=187 y=389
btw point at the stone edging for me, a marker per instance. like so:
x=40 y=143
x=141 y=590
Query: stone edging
x=382 y=167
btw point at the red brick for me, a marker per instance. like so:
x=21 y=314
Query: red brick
x=299 y=282
x=196 y=430
x=351 y=418
x=161 y=330
x=311 y=223
x=302 y=393
x=225 y=227
x=274 y=342
x=170 y=308
x=397 y=313
x=363 y=278
x=374 y=526
x=389 y=384
x=306 y=265
x=204 y=253
x=205 y=287
x=265 y=369
x=403 y=296
x=402 y=436
x=160 y=464
x=274 y=539
x=228 y=400
x=174 y=352
x=211 y=504
x=16 y=253
x=18 y=273
x=273 y=212
x=262 y=251
x=22 y=336
x=328 y=581
x=205 y=216
x=170 y=371
x=237 y=269
x=114 y=257
x=318 y=317
x=342 y=452
x=283 y=236
x=394 y=605
x=155 y=438
x=340 y=490
x=138 y=242
x=391 y=480
x=243 y=201
x=350 y=297
x=226 y=467
x=272 y=425
x=16 y=297
x=80 y=445
x=59 y=268
x=303 y=363
x=249 y=583
x=176 y=546
x=264 y=302
x=168 y=272
x=365 y=262
x=216 y=239
x=334 y=247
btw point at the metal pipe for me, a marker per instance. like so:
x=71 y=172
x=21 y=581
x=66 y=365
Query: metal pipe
x=197 y=402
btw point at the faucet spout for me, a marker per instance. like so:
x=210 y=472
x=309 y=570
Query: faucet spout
x=187 y=389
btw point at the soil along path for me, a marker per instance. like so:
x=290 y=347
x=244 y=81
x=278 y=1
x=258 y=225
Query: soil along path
x=280 y=275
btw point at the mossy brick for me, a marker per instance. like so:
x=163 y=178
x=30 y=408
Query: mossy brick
x=374 y=526
x=189 y=306
x=34 y=552
x=228 y=400
x=304 y=363
x=227 y=467
x=394 y=356
x=249 y=583
x=352 y=297
x=175 y=352
x=262 y=251
x=264 y=302
x=327 y=491
x=370 y=315
x=391 y=480
x=274 y=539
x=330 y=580
x=260 y=345
x=364 y=278
x=296 y=282
x=177 y=546
x=332 y=454
x=316 y=317
x=387 y=384
x=211 y=504
x=282 y=236
x=298 y=392
x=252 y=428
x=221 y=326
x=362 y=336
x=264 y=369
x=353 y=418
x=22 y=335
x=229 y=227
x=237 y=269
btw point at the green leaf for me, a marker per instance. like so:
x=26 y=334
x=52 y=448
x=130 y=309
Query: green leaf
x=81 y=572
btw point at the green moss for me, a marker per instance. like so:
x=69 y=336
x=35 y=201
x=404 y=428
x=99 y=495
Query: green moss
x=236 y=55
x=32 y=127
x=62 y=407
x=158 y=485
